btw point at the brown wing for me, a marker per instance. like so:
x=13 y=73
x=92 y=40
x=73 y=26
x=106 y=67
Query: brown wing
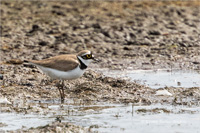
x=61 y=62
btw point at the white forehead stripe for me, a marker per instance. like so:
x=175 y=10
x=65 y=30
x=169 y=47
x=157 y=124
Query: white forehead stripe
x=89 y=52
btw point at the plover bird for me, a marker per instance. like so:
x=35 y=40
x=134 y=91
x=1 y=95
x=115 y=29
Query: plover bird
x=65 y=67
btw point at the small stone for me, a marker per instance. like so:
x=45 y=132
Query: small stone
x=163 y=93
x=179 y=83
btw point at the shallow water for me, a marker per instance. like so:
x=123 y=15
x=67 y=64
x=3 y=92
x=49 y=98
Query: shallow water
x=126 y=119
x=14 y=121
x=105 y=117
x=113 y=118
x=159 y=78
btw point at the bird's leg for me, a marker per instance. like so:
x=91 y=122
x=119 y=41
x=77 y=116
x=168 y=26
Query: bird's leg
x=60 y=86
x=63 y=91
x=60 y=94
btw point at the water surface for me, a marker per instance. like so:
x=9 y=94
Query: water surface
x=113 y=118
x=159 y=78
x=104 y=117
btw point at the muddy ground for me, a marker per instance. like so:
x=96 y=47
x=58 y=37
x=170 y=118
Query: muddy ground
x=122 y=35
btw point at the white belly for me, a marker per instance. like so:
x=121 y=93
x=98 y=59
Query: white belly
x=57 y=74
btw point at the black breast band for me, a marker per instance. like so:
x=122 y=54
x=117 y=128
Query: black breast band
x=82 y=65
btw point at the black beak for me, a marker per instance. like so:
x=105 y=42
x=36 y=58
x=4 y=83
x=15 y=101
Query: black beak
x=95 y=60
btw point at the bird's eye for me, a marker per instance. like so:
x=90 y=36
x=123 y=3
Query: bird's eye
x=88 y=56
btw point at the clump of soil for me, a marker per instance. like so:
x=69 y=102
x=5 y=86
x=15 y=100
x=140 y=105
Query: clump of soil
x=57 y=127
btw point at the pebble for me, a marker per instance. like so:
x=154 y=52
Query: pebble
x=163 y=93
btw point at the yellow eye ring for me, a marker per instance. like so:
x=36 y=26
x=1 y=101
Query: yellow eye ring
x=88 y=56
